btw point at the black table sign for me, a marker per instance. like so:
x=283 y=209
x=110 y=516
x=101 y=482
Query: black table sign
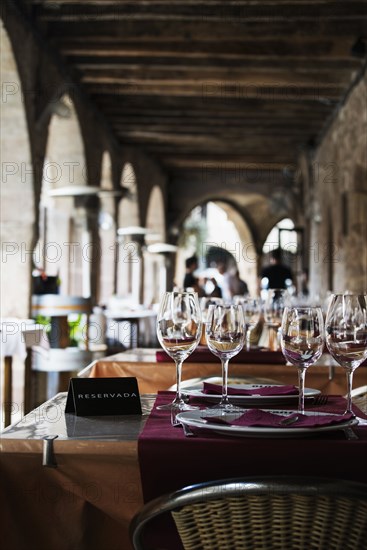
x=103 y=396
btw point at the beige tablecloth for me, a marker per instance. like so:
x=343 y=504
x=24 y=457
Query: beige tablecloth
x=153 y=377
x=86 y=503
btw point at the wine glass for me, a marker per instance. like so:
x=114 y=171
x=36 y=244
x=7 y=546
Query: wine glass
x=204 y=306
x=225 y=335
x=302 y=341
x=179 y=331
x=252 y=311
x=346 y=334
x=277 y=299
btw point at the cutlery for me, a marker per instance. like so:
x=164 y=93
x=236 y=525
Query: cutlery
x=288 y=421
x=350 y=434
x=187 y=431
x=48 y=457
x=320 y=400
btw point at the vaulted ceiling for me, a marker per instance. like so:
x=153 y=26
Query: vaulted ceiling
x=245 y=83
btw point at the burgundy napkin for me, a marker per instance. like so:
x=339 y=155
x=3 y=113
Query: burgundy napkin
x=215 y=389
x=256 y=417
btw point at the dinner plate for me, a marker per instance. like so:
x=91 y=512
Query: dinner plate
x=194 y=419
x=251 y=399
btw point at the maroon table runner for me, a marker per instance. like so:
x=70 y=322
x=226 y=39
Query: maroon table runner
x=203 y=355
x=169 y=460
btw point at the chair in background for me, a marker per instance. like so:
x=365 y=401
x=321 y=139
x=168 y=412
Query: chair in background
x=263 y=513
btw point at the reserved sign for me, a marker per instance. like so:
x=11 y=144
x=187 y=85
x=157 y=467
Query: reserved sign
x=103 y=396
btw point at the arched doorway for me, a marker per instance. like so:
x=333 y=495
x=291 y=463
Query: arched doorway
x=64 y=247
x=286 y=238
x=218 y=224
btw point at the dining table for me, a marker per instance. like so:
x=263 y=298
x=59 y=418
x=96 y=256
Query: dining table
x=75 y=482
x=155 y=372
x=17 y=337
x=132 y=326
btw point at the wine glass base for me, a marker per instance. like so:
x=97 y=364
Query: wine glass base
x=166 y=407
x=181 y=404
x=187 y=407
x=226 y=408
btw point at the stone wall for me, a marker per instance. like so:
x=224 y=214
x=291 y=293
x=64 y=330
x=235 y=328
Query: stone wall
x=338 y=237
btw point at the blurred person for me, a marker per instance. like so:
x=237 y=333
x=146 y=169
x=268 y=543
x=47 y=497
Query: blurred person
x=277 y=274
x=237 y=286
x=216 y=292
x=223 y=280
x=190 y=281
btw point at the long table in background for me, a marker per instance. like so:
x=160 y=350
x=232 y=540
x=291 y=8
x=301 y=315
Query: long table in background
x=154 y=376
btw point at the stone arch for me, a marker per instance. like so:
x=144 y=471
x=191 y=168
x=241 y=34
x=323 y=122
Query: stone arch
x=236 y=238
x=17 y=203
x=242 y=246
x=65 y=241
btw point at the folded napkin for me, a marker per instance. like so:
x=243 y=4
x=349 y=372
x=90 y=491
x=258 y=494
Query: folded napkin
x=215 y=389
x=256 y=417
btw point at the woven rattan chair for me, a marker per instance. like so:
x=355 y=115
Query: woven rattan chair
x=282 y=513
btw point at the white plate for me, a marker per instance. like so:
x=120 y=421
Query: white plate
x=251 y=399
x=194 y=420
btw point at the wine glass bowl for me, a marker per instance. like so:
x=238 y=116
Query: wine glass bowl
x=179 y=331
x=346 y=334
x=225 y=335
x=302 y=341
x=205 y=303
x=277 y=299
x=252 y=311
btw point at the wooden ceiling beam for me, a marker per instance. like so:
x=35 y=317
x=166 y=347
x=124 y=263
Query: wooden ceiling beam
x=213 y=118
x=352 y=25
x=56 y=3
x=296 y=46
x=215 y=121
x=215 y=92
x=234 y=132
x=205 y=64
x=226 y=163
x=262 y=104
x=286 y=157
x=210 y=81
x=240 y=142
x=199 y=11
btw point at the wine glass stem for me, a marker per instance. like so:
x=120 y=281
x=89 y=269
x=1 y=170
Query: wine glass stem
x=349 y=373
x=248 y=339
x=301 y=389
x=178 y=379
x=224 y=399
